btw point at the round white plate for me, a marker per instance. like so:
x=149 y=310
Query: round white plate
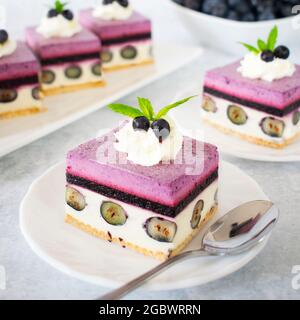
x=100 y=262
x=188 y=118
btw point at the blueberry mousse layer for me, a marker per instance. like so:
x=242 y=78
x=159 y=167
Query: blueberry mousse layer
x=125 y=42
x=19 y=85
x=257 y=98
x=154 y=207
x=69 y=55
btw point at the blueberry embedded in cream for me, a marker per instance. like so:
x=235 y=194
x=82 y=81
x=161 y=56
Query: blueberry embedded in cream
x=154 y=209
x=113 y=10
x=256 y=98
x=69 y=55
x=19 y=70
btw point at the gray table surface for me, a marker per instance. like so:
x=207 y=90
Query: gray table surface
x=268 y=276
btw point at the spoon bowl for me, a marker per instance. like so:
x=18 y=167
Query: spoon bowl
x=237 y=231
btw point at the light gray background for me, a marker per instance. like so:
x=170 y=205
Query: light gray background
x=28 y=277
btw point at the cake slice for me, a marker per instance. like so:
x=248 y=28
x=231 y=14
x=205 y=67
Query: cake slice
x=257 y=98
x=69 y=55
x=19 y=86
x=155 y=209
x=126 y=38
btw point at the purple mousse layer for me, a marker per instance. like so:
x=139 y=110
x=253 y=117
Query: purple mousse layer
x=166 y=184
x=82 y=43
x=278 y=94
x=137 y=27
x=20 y=64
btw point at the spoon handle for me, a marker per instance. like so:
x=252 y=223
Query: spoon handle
x=137 y=282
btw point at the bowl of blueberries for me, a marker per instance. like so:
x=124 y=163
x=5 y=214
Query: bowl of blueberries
x=222 y=24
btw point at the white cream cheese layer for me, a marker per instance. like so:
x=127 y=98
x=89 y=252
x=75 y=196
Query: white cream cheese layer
x=87 y=75
x=133 y=230
x=253 y=67
x=58 y=26
x=144 y=54
x=23 y=101
x=252 y=126
x=8 y=48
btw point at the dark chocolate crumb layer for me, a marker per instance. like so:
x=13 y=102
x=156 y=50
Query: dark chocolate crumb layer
x=254 y=105
x=14 y=83
x=73 y=58
x=135 y=37
x=141 y=202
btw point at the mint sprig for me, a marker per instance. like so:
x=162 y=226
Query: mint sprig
x=59 y=6
x=145 y=109
x=263 y=45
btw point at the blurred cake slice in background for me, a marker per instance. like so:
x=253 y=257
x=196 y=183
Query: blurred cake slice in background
x=69 y=55
x=19 y=85
x=124 y=33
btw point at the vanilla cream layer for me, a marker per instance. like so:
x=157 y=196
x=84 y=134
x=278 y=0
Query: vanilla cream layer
x=144 y=53
x=252 y=126
x=23 y=101
x=133 y=230
x=61 y=79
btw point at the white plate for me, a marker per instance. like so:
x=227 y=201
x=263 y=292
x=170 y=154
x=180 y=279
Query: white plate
x=91 y=259
x=188 y=119
x=66 y=108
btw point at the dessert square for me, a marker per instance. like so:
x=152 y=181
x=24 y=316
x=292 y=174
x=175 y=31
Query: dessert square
x=67 y=63
x=19 y=85
x=155 y=210
x=256 y=98
x=124 y=42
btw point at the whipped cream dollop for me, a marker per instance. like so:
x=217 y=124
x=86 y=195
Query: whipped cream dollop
x=253 y=67
x=143 y=147
x=58 y=26
x=113 y=11
x=8 y=48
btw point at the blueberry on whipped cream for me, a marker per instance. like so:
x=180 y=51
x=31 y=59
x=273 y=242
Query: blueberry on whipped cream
x=59 y=22
x=3 y=36
x=113 y=10
x=267 y=62
x=149 y=137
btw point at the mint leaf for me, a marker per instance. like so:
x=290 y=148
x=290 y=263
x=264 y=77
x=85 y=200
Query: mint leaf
x=272 y=38
x=59 y=6
x=166 y=109
x=146 y=107
x=262 y=45
x=125 y=110
x=250 y=48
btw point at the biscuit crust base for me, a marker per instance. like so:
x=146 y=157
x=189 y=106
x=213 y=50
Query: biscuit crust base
x=129 y=65
x=72 y=88
x=23 y=112
x=155 y=254
x=255 y=140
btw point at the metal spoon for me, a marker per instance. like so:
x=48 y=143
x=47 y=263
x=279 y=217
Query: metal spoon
x=237 y=231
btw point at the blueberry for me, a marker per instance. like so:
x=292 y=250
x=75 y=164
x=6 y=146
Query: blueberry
x=141 y=123
x=267 y=56
x=107 y=1
x=73 y=72
x=272 y=127
x=215 y=7
x=160 y=229
x=124 y=3
x=52 y=13
x=193 y=4
x=68 y=14
x=236 y=115
x=3 y=36
x=233 y=3
x=196 y=216
x=232 y=15
x=8 y=95
x=113 y=213
x=75 y=199
x=282 y=52
x=243 y=7
x=161 y=129
x=181 y=2
x=268 y=14
x=249 y=16
x=284 y=9
x=129 y=52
